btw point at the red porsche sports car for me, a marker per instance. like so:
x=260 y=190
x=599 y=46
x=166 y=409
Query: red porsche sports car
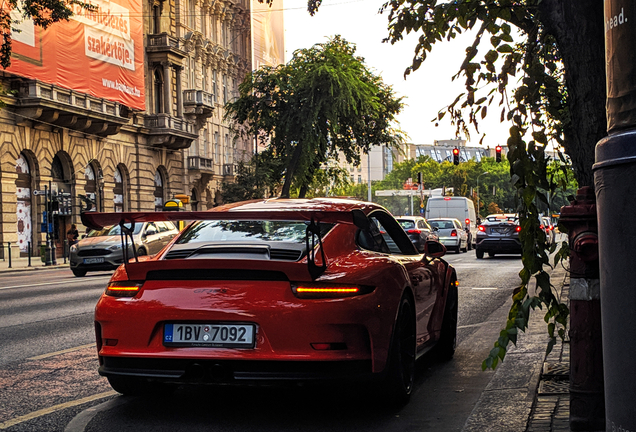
x=275 y=290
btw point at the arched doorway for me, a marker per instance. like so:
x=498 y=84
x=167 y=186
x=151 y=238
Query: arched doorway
x=159 y=192
x=24 y=213
x=60 y=188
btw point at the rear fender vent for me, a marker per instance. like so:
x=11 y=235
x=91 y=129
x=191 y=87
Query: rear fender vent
x=216 y=274
x=285 y=254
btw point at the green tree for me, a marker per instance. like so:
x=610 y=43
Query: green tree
x=324 y=102
x=42 y=12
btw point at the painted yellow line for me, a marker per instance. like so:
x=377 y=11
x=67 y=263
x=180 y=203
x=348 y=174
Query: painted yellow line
x=54 y=408
x=68 y=350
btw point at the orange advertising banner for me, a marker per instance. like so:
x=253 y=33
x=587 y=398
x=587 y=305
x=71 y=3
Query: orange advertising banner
x=97 y=52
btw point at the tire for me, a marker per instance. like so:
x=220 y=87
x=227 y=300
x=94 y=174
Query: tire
x=133 y=386
x=78 y=272
x=479 y=253
x=448 y=339
x=491 y=254
x=458 y=249
x=398 y=383
x=141 y=252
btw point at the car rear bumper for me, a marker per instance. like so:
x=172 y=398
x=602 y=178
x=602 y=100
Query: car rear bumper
x=189 y=371
x=501 y=245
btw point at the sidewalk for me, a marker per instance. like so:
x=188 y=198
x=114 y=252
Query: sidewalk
x=22 y=264
x=529 y=390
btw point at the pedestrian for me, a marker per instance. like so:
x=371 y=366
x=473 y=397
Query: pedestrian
x=72 y=235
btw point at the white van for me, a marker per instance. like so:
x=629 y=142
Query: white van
x=455 y=208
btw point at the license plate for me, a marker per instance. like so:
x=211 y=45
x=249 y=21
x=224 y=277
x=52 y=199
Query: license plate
x=209 y=335
x=94 y=260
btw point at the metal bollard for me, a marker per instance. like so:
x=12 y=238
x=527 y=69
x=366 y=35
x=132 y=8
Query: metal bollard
x=9 y=249
x=29 y=253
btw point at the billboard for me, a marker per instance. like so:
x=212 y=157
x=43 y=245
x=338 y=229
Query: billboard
x=268 y=34
x=98 y=52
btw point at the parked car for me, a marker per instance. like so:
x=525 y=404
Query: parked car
x=451 y=233
x=102 y=249
x=277 y=290
x=418 y=230
x=498 y=234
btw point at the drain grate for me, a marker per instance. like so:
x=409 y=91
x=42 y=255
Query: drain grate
x=558 y=370
x=554 y=386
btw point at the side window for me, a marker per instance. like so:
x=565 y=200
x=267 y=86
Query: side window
x=151 y=229
x=388 y=240
x=170 y=226
x=372 y=239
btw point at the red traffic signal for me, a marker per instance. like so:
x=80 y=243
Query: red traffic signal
x=456 y=156
x=498 y=153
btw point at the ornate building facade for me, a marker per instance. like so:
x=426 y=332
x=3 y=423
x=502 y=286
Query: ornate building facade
x=130 y=140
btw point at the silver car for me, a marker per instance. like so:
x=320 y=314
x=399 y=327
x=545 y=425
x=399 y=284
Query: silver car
x=451 y=233
x=101 y=250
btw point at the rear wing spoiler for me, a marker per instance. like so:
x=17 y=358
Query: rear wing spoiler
x=127 y=220
x=97 y=220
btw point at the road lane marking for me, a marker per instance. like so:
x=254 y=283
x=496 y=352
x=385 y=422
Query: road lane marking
x=53 y=283
x=485 y=288
x=68 y=350
x=54 y=408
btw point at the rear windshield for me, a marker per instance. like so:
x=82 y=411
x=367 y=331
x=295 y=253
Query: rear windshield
x=112 y=230
x=251 y=231
x=441 y=224
x=406 y=224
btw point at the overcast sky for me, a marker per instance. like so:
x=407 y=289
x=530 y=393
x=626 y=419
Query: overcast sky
x=427 y=91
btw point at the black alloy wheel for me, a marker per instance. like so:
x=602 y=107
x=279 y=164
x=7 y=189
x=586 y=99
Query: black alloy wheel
x=398 y=384
x=79 y=273
x=448 y=338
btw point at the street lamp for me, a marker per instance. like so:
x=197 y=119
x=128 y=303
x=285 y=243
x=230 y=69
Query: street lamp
x=479 y=208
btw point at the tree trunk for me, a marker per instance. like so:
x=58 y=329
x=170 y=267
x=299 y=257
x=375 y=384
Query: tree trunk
x=579 y=31
x=291 y=170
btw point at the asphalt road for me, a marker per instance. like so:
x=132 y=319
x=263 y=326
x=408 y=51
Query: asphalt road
x=48 y=369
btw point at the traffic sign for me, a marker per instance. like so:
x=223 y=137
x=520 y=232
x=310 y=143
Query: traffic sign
x=39 y=192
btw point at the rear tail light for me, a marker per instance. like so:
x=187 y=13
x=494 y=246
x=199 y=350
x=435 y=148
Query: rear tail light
x=542 y=226
x=481 y=228
x=123 y=288
x=467 y=222
x=414 y=231
x=518 y=228
x=454 y=233
x=317 y=290
x=551 y=227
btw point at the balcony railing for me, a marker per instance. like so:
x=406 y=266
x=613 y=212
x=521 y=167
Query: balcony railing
x=198 y=97
x=165 y=121
x=200 y=163
x=162 y=41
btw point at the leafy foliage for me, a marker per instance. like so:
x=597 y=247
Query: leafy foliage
x=532 y=47
x=323 y=103
x=42 y=12
x=258 y=178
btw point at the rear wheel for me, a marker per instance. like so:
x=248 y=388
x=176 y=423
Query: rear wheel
x=141 y=252
x=479 y=253
x=79 y=273
x=448 y=338
x=458 y=249
x=398 y=383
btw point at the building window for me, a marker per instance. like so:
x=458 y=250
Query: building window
x=158 y=91
x=226 y=149
x=204 y=77
x=156 y=19
x=191 y=12
x=23 y=207
x=224 y=89
x=193 y=75
x=216 y=147
x=214 y=86
x=359 y=179
x=118 y=191
x=206 y=144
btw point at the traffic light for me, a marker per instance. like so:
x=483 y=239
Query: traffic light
x=419 y=178
x=498 y=151
x=456 y=156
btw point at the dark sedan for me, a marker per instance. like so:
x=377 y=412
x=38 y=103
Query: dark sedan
x=498 y=234
x=418 y=230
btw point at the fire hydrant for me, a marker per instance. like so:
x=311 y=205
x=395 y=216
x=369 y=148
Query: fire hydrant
x=587 y=405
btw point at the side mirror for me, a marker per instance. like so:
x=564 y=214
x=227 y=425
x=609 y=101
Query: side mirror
x=434 y=249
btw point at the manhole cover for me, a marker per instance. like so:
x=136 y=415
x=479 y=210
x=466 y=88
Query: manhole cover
x=554 y=387
x=556 y=370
